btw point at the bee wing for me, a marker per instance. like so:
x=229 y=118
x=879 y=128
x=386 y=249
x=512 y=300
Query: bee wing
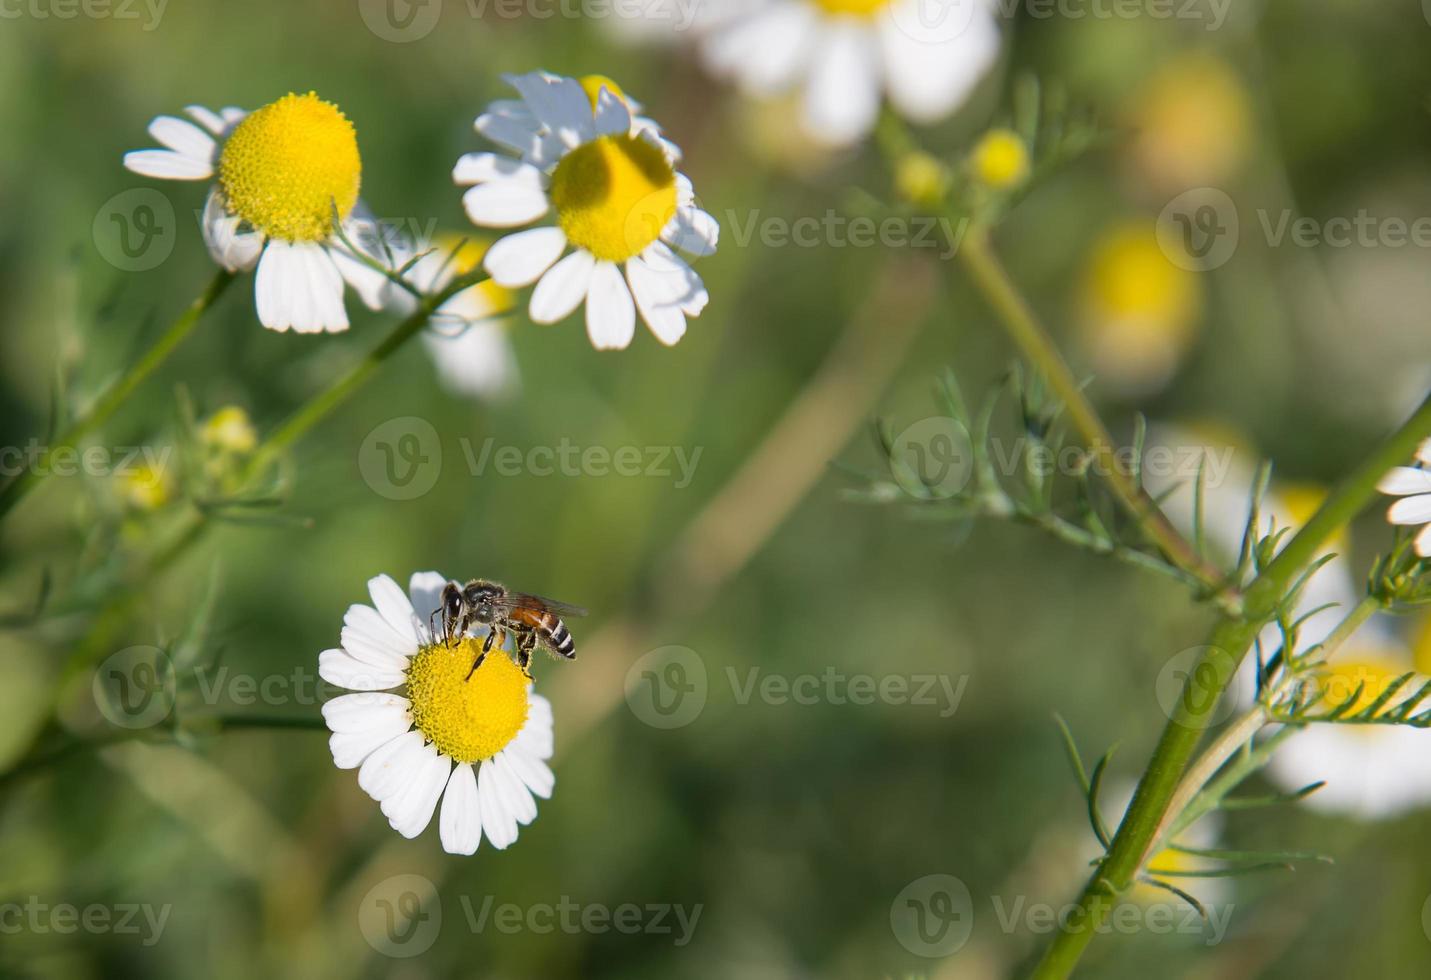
x=515 y=600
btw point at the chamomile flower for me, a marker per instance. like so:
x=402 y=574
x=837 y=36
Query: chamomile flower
x=610 y=183
x=845 y=53
x=285 y=194
x=479 y=744
x=1413 y=485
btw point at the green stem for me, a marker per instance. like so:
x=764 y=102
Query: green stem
x=322 y=405
x=118 y=393
x=1229 y=643
x=1023 y=327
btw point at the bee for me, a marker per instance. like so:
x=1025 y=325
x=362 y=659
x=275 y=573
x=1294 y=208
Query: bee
x=532 y=620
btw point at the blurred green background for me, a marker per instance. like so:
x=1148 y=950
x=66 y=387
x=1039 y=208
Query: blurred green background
x=794 y=827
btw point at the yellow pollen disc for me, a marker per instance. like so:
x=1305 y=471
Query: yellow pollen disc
x=852 y=8
x=289 y=165
x=593 y=84
x=613 y=196
x=467 y=719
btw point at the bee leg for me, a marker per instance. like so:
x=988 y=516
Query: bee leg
x=525 y=646
x=481 y=655
x=487 y=643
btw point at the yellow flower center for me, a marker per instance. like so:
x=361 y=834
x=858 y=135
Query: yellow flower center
x=289 y=166
x=613 y=196
x=1001 y=160
x=852 y=8
x=468 y=719
x=229 y=429
x=593 y=84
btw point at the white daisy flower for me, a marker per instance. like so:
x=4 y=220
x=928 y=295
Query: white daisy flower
x=1371 y=772
x=618 y=201
x=283 y=172
x=927 y=56
x=479 y=744
x=1413 y=485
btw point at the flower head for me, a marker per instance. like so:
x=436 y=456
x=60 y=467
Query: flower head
x=1000 y=160
x=229 y=430
x=284 y=199
x=1413 y=485
x=477 y=740
x=608 y=180
x=845 y=53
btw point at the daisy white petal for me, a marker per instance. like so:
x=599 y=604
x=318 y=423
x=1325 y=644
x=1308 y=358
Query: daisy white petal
x=184 y=138
x=460 y=824
x=612 y=115
x=390 y=768
x=563 y=288
x=505 y=203
x=340 y=669
x=298 y=287
x=610 y=312
x=928 y=74
x=349 y=749
x=480 y=168
x=207 y=118
x=520 y=259
x=167 y=165
x=1405 y=480
x=514 y=792
x=357 y=712
x=693 y=231
x=559 y=104
x=498 y=822
x=411 y=816
x=664 y=318
x=515 y=135
x=475 y=362
x=395 y=608
x=766 y=50
x=1410 y=510
x=369 y=637
x=1423 y=542
x=229 y=246
x=535 y=774
x=842 y=95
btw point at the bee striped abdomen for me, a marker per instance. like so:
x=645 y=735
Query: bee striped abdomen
x=560 y=639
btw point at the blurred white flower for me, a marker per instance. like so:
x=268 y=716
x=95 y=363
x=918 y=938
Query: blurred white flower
x=284 y=171
x=610 y=179
x=927 y=56
x=1413 y=485
x=478 y=743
